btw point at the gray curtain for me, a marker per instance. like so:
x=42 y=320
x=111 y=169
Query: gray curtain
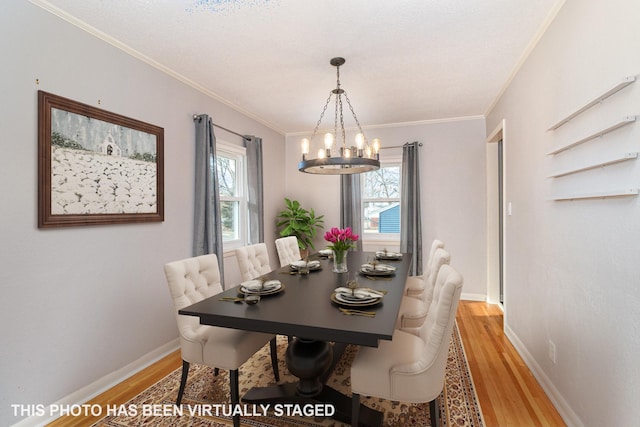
x=207 y=229
x=254 y=177
x=410 y=224
x=351 y=205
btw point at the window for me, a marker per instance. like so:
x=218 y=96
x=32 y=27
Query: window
x=381 y=202
x=230 y=164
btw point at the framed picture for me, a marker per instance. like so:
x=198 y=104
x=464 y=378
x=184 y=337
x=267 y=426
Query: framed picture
x=96 y=167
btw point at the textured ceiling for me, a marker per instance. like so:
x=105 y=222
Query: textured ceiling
x=406 y=60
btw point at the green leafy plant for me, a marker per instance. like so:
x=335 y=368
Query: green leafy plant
x=299 y=222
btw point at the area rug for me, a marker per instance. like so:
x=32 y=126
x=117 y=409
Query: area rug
x=206 y=394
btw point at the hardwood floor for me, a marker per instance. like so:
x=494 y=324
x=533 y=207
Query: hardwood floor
x=509 y=394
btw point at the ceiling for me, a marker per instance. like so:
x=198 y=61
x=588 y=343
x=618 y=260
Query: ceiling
x=406 y=60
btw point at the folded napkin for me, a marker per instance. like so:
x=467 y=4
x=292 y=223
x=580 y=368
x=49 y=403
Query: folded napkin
x=325 y=252
x=379 y=267
x=257 y=286
x=360 y=293
x=310 y=264
x=388 y=254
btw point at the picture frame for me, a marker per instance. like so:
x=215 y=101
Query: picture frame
x=96 y=167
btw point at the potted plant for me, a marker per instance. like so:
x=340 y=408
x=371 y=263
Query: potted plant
x=299 y=222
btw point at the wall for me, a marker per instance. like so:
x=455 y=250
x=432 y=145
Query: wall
x=572 y=267
x=452 y=197
x=81 y=303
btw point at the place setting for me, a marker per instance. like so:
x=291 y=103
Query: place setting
x=376 y=270
x=386 y=255
x=251 y=291
x=352 y=296
x=303 y=267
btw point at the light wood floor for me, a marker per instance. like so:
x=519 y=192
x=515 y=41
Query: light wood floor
x=509 y=394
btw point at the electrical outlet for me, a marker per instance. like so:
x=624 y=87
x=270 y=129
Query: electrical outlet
x=552 y=351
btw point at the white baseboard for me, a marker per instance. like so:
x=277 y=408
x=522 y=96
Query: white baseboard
x=567 y=414
x=102 y=384
x=473 y=297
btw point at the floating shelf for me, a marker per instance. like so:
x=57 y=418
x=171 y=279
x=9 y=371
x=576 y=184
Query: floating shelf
x=619 y=86
x=623 y=158
x=625 y=121
x=628 y=192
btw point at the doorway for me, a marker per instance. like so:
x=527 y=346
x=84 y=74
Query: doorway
x=495 y=149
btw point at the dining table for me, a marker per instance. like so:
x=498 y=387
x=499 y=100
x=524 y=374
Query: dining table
x=319 y=326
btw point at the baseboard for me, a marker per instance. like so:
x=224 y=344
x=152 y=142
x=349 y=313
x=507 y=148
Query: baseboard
x=102 y=384
x=567 y=414
x=473 y=297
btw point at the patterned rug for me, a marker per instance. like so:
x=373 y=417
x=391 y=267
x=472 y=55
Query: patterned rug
x=206 y=397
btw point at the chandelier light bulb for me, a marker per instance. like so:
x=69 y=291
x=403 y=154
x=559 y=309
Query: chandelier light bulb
x=305 y=146
x=359 y=141
x=321 y=153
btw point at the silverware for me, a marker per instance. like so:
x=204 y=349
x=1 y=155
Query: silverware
x=231 y=299
x=354 y=312
x=377 y=277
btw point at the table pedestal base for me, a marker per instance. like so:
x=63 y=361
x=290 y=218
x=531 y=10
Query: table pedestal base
x=312 y=361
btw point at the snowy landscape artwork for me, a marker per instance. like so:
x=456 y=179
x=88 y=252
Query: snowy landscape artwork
x=98 y=167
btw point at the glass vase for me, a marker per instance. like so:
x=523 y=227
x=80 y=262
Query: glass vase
x=340 y=261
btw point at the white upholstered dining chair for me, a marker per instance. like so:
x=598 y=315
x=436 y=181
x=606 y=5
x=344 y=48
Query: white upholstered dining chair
x=411 y=368
x=253 y=261
x=416 y=285
x=288 y=250
x=194 y=279
x=413 y=311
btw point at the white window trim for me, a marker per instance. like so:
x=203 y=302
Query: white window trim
x=386 y=238
x=223 y=147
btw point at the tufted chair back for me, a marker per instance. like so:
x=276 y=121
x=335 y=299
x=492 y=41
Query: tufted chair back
x=440 y=257
x=192 y=280
x=416 y=285
x=288 y=250
x=437 y=328
x=253 y=261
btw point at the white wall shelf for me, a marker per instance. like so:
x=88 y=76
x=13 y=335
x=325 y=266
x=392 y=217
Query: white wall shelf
x=625 y=121
x=618 y=87
x=618 y=159
x=627 y=192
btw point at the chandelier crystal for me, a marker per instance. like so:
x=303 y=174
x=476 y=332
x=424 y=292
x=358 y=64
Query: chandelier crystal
x=347 y=159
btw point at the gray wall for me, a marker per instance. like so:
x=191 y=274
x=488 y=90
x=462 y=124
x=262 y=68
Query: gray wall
x=572 y=267
x=80 y=303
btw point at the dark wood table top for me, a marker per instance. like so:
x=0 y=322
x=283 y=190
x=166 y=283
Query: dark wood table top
x=304 y=308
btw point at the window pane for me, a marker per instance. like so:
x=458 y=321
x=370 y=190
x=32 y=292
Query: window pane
x=227 y=175
x=381 y=217
x=230 y=224
x=383 y=183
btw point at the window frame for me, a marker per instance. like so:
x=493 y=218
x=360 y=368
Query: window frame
x=239 y=154
x=391 y=238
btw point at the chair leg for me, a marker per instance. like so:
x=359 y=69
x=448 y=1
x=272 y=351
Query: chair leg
x=355 y=409
x=434 y=412
x=235 y=394
x=183 y=381
x=216 y=371
x=274 y=359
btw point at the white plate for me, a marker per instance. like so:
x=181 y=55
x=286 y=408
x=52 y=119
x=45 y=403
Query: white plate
x=380 y=270
x=256 y=287
x=355 y=300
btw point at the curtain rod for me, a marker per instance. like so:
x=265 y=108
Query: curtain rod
x=399 y=146
x=197 y=117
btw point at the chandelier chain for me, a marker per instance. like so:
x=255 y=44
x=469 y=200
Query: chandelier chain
x=356 y=119
x=315 y=130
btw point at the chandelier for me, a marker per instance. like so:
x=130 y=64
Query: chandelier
x=347 y=159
